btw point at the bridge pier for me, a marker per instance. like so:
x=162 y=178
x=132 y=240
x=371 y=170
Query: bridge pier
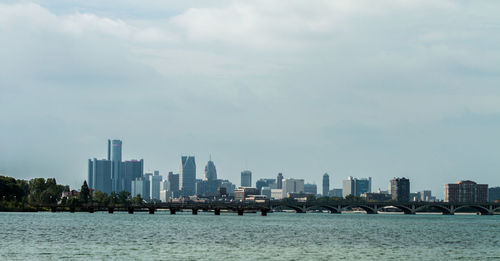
x=240 y=212
x=91 y=209
x=53 y=209
x=195 y=211
x=263 y=212
x=151 y=211
x=71 y=209
x=172 y=211
x=130 y=210
x=111 y=210
x=217 y=211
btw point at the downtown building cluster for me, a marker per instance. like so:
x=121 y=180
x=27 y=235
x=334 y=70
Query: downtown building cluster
x=114 y=175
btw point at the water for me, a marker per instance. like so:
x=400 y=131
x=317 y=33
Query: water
x=279 y=236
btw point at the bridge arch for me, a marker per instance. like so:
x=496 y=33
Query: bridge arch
x=405 y=209
x=443 y=209
x=297 y=209
x=332 y=209
x=368 y=209
x=481 y=209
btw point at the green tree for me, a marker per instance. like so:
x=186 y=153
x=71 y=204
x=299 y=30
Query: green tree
x=85 y=193
x=101 y=197
x=137 y=199
x=123 y=197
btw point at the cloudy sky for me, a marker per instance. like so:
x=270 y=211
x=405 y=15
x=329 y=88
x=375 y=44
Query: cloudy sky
x=353 y=88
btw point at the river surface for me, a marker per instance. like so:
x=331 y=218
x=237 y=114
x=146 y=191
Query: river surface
x=279 y=236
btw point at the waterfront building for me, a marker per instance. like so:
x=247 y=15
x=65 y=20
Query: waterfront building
x=187 y=177
x=326 y=184
x=243 y=192
x=356 y=187
x=277 y=193
x=210 y=172
x=466 y=191
x=228 y=186
x=311 y=189
x=129 y=170
x=99 y=177
x=376 y=196
x=246 y=178
x=266 y=191
x=400 y=189
x=154 y=185
x=493 y=194
x=265 y=183
x=279 y=181
x=336 y=192
x=292 y=186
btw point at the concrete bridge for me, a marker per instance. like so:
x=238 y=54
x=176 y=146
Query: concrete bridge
x=335 y=207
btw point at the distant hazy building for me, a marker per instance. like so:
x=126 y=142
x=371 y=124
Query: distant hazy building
x=400 y=189
x=326 y=184
x=246 y=178
x=465 y=192
x=173 y=184
x=266 y=191
x=292 y=186
x=154 y=185
x=376 y=196
x=141 y=186
x=277 y=193
x=311 y=189
x=210 y=171
x=493 y=194
x=279 y=181
x=228 y=186
x=426 y=195
x=116 y=158
x=130 y=170
x=336 y=192
x=207 y=188
x=187 y=177
x=99 y=177
x=243 y=192
x=271 y=183
x=356 y=187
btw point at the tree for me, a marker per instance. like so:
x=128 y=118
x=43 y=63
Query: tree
x=101 y=197
x=85 y=193
x=137 y=199
x=123 y=196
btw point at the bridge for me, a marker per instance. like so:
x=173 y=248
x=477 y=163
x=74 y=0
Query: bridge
x=333 y=206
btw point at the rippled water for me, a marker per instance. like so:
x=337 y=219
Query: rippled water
x=279 y=236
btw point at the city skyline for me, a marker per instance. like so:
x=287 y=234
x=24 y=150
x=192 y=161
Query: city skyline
x=297 y=88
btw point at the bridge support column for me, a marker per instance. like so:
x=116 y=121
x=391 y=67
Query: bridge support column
x=217 y=211
x=263 y=212
x=71 y=209
x=172 y=211
x=111 y=210
x=151 y=211
x=53 y=209
x=240 y=212
x=130 y=210
x=195 y=211
x=91 y=209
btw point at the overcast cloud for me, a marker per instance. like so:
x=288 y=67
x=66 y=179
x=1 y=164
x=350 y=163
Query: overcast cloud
x=362 y=88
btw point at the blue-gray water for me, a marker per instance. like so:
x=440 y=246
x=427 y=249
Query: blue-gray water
x=279 y=236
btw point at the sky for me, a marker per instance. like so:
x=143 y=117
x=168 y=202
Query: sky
x=352 y=88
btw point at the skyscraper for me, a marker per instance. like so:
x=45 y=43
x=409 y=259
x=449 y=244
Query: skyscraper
x=356 y=187
x=246 y=178
x=187 y=177
x=400 y=189
x=292 y=186
x=279 y=181
x=130 y=170
x=173 y=183
x=326 y=184
x=116 y=158
x=210 y=173
x=311 y=189
x=154 y=183
x=100 y=175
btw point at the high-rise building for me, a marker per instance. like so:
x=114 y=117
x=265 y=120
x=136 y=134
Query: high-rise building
x=336 y=192
x=141 y=186
x=356 y=187
x=187 y=177
x=228 y=186
x=130 y=170
x=154 y=185
x=292 y=186
x=425 y=195
x=210 y=171
x=466 y=192
x=311 y=189
x=100 y=175
x=400 y=189
x=265 y=183
x=116 y=158
x=326 y=184
x=173 y=183
x=493 y=194
x=246 y=178
x=279 y=181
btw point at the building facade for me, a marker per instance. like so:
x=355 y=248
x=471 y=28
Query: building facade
x=400 y=189
x=311 y=189
x=279 y=181
x=246 y=178
x=187 y=178
x=326 y=184
x=292 y=186
x=493 y=194
x=465 y=191
x=356 y=187
x=99 y=177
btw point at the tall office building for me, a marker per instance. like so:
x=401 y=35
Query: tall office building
x=173 y=183
x=141 y=186
x=279 y=181
x=187 y=177
x=326 y=184
x=466 y=192
x=210 y=171
x=154 y=185
x=292 y=186
x=400 y=189
x=271 y=183
x=116 y=158
x=356 y=187
x=246 y=178
x=100 y=175
x=129 y=170
x=311 y=189
x=493 y=194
